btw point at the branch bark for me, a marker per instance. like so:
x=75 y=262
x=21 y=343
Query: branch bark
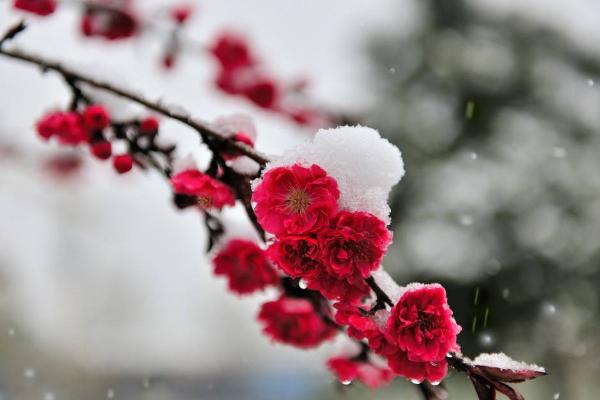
x=207 y=133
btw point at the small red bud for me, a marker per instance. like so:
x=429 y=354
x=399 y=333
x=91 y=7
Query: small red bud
x=123 y=163
x=181 y=13
x=149 y=126
x=95 y=118
x=168 y=61
x=102 y=149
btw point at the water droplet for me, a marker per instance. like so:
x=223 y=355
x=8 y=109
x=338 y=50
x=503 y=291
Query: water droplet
x=11 y=332
x=346 y=382
x=559 y=152
x=473 y=155
x=505 y=293
x=590 y=82
x=302 y=284
x=29 y=373
x=110 y=394
x=486 y=339
x=556 y=396
x=416 y=381
x=49 y=396
x=549 y=308
x=466 y=220
x=392 y=70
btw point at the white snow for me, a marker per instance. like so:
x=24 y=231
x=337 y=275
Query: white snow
x=245 y=165
x=387 y=284
x=231 y=124
x=365 y=165
x=184 y=163
x=502 y=361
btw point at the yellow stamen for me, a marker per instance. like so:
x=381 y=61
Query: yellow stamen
x=298 y=201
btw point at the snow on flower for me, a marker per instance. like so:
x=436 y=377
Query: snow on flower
x=232 y=124
x=209 y=192
x=295 y=199
x=294 y=321
x=349 y=369
x=246 y=267
x=364 y=165
x=240 y=128
x=421 y=323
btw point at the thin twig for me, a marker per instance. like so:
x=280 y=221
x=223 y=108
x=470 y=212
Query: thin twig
x=206 y=132
x=12 y=32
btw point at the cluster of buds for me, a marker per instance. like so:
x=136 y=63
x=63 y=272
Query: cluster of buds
x=210 y=190
x=111 y=20
x=241 y=74
x=93 y=127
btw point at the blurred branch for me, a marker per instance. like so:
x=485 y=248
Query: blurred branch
x=209 y=135
x=12 y=32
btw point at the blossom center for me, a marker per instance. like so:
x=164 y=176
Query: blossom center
x=426 y=321
x=298 y=201
x=204 y=202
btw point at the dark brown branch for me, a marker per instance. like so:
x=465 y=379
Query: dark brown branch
x=12 y=32
x=205 y=131
x=382 y=297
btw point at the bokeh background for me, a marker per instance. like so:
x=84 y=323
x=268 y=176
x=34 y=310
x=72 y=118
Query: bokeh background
x=105 y=291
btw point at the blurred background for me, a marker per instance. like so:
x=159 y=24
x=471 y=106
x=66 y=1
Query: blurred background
x=105 y=290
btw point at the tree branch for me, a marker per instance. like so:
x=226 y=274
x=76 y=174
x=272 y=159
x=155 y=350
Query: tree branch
x=218 y=141
x=204 y=130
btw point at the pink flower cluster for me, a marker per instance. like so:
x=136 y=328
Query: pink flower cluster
x=333 y=251
x=241 y=74
x=72 y=128
x=289 y=320
x=414 y=337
